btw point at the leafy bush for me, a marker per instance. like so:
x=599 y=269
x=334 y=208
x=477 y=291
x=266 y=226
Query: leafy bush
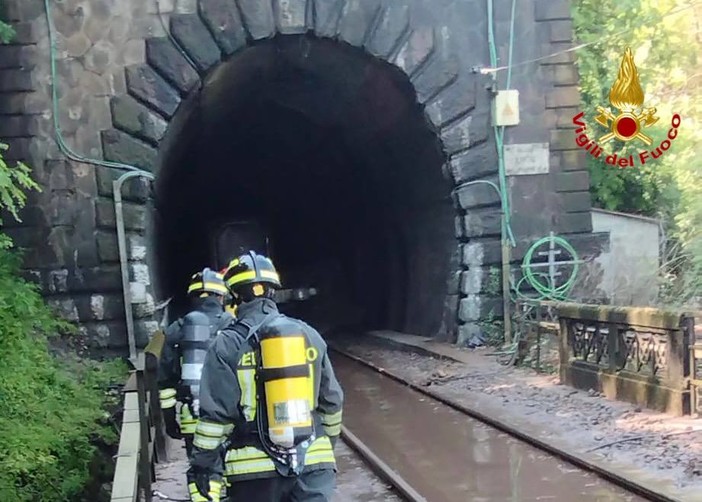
x=664 y=36
x=13 y=184
x=7 y=32
x=49 y=409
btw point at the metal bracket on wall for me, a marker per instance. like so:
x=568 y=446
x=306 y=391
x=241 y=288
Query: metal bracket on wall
x=123 y=256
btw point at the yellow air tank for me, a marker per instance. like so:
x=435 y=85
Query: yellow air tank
x=288 y=382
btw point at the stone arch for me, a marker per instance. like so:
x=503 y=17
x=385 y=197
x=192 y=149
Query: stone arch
x=451 y=96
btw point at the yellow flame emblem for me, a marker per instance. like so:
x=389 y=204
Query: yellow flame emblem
x=627 y=96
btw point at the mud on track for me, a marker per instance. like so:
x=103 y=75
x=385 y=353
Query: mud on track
x=449 y=457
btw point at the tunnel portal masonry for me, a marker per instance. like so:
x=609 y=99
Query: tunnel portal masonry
x=338 y=188
x=374 y=98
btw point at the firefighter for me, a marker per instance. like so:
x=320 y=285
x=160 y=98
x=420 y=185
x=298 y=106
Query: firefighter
x=270 y=404
x=183 y=353
x=229 y=305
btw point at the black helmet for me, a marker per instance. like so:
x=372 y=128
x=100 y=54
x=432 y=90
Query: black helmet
x=207 y=281
x=250 y=269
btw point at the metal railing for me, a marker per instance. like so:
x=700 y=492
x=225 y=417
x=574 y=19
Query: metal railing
x=533 y=319
x=647 y=356
x=639 y=355
x=142 y=440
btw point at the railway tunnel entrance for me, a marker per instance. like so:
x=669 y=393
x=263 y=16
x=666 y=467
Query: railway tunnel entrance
x=327 y=149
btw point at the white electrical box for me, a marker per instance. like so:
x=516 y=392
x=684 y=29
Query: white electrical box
x=505 y=108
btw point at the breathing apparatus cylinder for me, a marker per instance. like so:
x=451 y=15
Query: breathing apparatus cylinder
x=288 y=383
x=196 y=334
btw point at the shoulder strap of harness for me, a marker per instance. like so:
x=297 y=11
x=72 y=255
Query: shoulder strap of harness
x=253 y=328
x=244 y=432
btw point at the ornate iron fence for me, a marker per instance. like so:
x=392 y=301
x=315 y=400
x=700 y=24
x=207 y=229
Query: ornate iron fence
x=639 y=355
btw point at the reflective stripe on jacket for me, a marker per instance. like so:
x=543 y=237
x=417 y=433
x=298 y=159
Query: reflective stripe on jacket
x=215 y=492
x=167 y=397
x=228 y=397
x=188 y=423
x=249 y=460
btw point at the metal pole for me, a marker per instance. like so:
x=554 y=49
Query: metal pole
x=123 y=257
x=505 y=282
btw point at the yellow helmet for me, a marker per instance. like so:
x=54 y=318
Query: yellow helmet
x=248 y=269
x=207 y=281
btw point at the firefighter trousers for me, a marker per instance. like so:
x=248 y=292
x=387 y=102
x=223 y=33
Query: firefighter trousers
x=313 y=486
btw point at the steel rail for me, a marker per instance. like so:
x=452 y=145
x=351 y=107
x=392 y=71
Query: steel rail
x=581 y=463
x=382 y=469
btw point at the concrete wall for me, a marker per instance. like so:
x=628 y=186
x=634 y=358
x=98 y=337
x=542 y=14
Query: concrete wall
x=120 y=82
x=630 y=266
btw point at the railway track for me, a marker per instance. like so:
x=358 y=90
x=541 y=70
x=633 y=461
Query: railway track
x=429 y=449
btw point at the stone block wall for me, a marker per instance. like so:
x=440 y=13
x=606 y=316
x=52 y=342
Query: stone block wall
x=546 y=77
x=69 y=228
x=120 y=81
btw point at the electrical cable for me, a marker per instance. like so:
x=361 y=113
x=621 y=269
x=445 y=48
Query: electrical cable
x=175 y=42
x=63 y=146
x=493 y=185
x=498 y=138
x=548 y=290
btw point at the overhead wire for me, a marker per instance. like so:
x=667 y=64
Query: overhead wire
x=654 y=18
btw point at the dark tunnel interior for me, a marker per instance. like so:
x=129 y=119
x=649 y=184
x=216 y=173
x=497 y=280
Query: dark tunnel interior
x=326 y=148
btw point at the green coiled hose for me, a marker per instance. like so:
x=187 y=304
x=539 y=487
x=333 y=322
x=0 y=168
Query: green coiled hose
x=549 y=290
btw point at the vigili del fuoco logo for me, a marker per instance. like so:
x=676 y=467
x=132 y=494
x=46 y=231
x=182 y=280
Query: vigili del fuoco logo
x=629 y=123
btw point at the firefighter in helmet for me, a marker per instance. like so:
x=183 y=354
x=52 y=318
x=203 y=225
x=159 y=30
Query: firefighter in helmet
x=270 y=404
x=229 y=305
x=187 y=340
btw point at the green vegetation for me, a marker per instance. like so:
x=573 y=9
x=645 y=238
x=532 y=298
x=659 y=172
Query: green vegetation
x=49 y=408
x=52 y=409
x=7 y=32
x=665 y=39
x=13 y=184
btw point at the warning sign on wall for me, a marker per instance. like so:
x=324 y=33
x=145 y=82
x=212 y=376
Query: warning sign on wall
x=506 y=108
x=527 y=158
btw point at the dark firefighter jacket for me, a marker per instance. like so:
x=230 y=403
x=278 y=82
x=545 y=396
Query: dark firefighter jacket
x=169 y=366
x=228 y=400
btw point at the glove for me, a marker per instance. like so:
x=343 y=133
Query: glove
x=332 y=440
x=172 y=427
x=213 y=496
x=202 y=483
x=195 y=494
